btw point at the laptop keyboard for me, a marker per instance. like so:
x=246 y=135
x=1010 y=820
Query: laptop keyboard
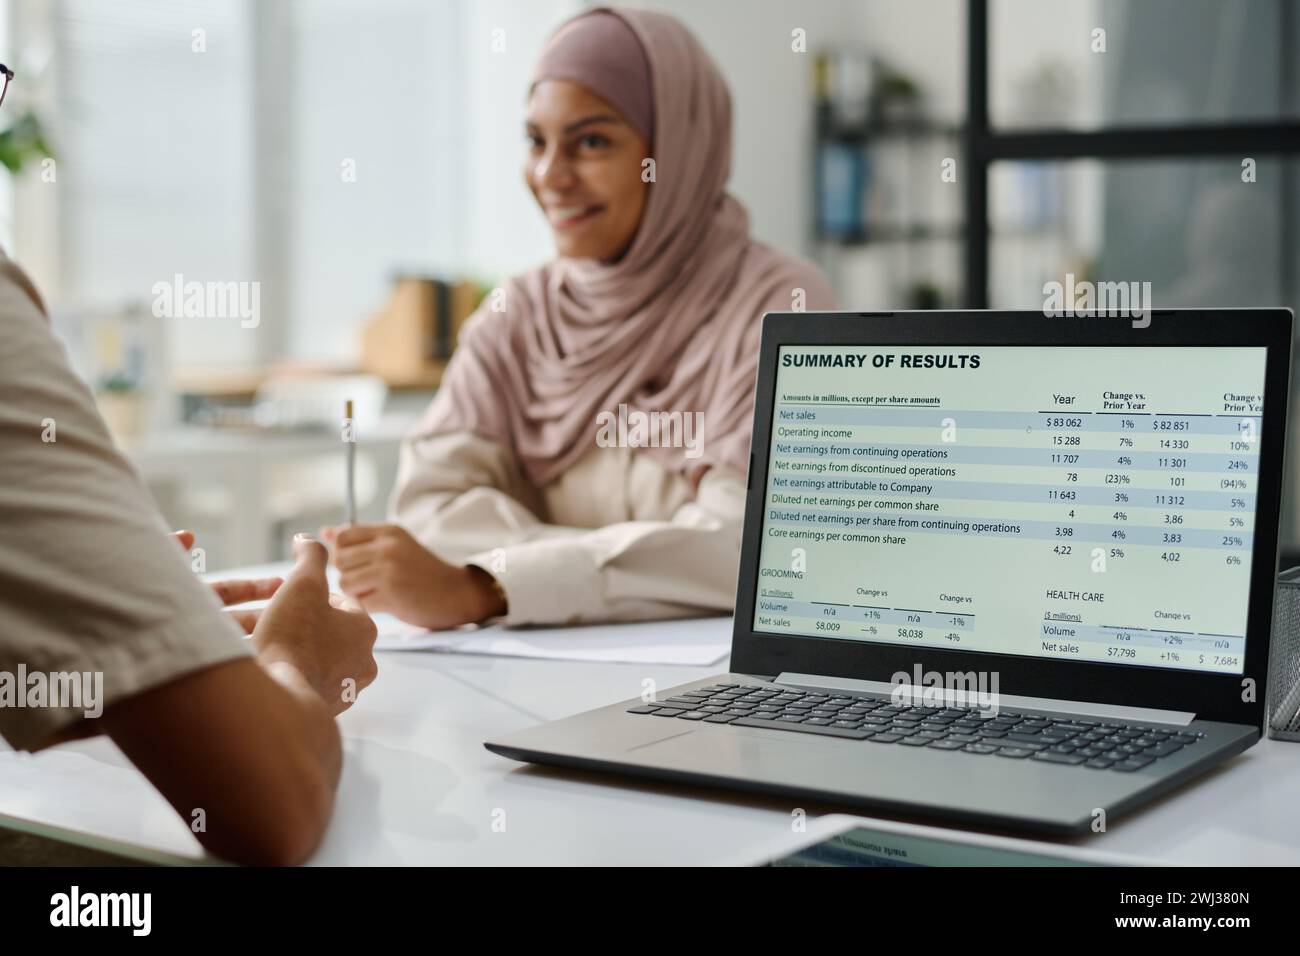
x=1011 y=734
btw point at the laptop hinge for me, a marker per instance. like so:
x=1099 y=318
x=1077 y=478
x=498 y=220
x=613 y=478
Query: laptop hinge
x=1079 y=707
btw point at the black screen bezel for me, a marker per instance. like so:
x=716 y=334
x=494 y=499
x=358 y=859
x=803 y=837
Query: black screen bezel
x=1211 y=696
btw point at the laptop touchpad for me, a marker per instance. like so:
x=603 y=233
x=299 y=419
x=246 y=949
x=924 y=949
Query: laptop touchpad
x=737 y=751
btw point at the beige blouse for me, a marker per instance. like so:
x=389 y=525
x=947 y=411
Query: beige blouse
x=614 y=538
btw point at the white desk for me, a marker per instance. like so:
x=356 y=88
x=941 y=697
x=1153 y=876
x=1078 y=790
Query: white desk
x=418 y=787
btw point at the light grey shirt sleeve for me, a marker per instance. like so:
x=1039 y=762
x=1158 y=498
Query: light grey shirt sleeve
x=90 y=582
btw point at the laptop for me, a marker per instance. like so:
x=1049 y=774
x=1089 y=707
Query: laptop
x=997 y=567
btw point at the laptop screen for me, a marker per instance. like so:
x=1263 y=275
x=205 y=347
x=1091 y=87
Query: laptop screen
x=1078 y=503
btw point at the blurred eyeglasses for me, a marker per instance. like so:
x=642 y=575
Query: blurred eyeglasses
x=8 y=75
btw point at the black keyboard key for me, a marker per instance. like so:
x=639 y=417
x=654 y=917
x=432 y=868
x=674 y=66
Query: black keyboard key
x=1100 y=763
x=916 y=741
x=719 y=719
x=1072 y=728
x=1020 y=744
x=801 y=728
x=1164 y=749
x=1028 y=738
x=1048 y=757
x=668 y=712
x=1018 y=753
x=648 y=709
x=886 y=738
x=980 y=749
x=692 y=715
x=850 y=724
x=1133 y=763
x=948 y=744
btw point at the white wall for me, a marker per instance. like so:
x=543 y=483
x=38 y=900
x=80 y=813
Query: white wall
x=376 y=154
x=501 y=231
x=772 y=100
x=772 y=96
x=414 y=92
x=153 y=158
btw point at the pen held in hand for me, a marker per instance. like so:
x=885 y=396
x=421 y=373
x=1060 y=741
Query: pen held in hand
x=350 y=443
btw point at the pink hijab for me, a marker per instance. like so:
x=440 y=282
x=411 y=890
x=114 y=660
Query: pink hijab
x=673 y=326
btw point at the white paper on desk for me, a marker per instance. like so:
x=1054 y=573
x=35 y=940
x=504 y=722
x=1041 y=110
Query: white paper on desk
x=645 y=642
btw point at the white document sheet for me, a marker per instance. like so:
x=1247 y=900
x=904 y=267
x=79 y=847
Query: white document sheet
x=694 y=641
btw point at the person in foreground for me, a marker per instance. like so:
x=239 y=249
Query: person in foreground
x=92 y=587
x=537 y=488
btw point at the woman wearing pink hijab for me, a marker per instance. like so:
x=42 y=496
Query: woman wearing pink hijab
x=585 y=458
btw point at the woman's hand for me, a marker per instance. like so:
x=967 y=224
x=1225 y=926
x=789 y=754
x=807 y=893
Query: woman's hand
x=385 y=569
x=236 y=591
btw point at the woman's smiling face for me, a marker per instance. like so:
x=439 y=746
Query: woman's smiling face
x=584 y=170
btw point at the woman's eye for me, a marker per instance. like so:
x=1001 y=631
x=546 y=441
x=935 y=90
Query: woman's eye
x=534 y=142
x=593 y=141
